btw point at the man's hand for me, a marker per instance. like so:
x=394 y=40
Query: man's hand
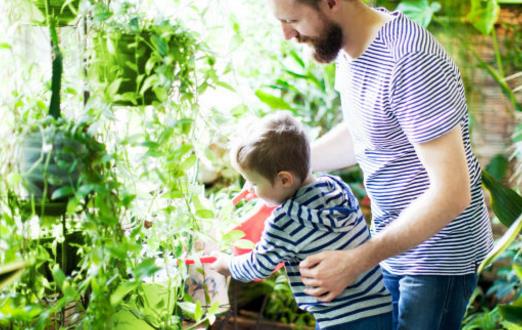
x=328 y=273
x=221 y=263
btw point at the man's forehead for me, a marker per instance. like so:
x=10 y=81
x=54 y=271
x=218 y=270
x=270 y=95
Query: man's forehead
x=284 y=8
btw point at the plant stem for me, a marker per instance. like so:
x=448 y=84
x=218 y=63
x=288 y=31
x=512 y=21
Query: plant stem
x=65 y=244
x=56 y=80
x=498 y=56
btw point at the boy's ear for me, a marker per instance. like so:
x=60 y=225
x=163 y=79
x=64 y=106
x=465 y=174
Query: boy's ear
x=286 y=178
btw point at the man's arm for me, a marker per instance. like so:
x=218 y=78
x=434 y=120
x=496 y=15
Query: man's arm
x=334 y=150
x=329 y=273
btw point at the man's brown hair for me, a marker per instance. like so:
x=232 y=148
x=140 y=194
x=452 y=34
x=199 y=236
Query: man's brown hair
x=312 y=3
x=277 y=143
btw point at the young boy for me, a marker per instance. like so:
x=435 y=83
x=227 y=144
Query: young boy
x=314 y=214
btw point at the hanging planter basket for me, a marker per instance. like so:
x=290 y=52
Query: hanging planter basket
x=65 y=11
x=51 y=161
x=142 y=67
x=121 y=60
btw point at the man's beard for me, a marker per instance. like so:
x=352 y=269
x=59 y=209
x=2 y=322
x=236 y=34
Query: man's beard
x=327 y=46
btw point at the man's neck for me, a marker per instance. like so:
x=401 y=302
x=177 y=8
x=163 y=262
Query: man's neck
x=360 y=26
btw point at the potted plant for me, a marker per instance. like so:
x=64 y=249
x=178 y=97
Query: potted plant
x=140 y=61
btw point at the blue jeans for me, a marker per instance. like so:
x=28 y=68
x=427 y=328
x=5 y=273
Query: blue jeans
x=378 y=322
x=429 y=302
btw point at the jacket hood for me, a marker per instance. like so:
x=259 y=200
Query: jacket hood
x=328 y=204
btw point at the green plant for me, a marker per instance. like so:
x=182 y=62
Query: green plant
x=498 y=307
x=139 y=61
x=304 y=88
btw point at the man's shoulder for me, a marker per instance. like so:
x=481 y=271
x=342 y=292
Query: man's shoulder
x=402 y=36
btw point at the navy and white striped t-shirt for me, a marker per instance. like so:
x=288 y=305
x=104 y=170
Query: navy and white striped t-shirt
x=321 y=216
x=404 y=90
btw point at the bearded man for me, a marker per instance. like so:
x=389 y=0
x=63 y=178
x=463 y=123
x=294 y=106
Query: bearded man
x=406 y=124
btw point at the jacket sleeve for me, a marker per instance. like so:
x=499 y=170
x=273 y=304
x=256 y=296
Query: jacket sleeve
x=274 y=247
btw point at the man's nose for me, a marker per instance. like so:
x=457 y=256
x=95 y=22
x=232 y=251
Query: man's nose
x=288 y=31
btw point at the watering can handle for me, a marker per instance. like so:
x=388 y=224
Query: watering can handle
x=244 y=194
x=203 y=260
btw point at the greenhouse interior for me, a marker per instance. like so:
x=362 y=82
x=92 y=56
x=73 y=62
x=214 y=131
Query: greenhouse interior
x=261 y=164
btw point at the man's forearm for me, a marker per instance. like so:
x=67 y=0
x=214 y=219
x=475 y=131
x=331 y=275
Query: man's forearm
x=334 y=150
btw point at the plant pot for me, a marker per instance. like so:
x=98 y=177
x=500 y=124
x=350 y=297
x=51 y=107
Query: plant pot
x=123 y=56
x=64 y=14
x=50 y=164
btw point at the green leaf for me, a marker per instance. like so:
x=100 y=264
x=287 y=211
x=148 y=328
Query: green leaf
x=188 y=162
x=512 y=314
x=502 y=244
x=5 y=45
x=127 y=199
x=272 y=101
x=146 y=268
x=299 y=75
x=122 y=291
x=501 y=81
x=185 y=125
x=205 y=214
x=160 y=45
x=505 y=202
x=518 y=270
x=498 y=167
x=419 y=11
x=483 y=15
x=244 y=244
x=62 y=192
x=233 y=236
x=149 y=82
x=58 y=276
x=114 y=87
x=187 y=307
x=11 y=272
x=225 y=85
x=297 y=58
x=198 y=312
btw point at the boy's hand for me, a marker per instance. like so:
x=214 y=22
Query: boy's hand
x=221 y=263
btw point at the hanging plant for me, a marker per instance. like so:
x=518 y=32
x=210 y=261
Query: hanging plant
x=142 y=62
x=54 y=152
x=67 y=174
x=52 y=158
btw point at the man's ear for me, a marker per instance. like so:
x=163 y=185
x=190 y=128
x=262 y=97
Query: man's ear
x=332 y=3
x=286 y=178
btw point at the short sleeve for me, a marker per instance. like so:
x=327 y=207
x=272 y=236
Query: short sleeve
x=427 y=96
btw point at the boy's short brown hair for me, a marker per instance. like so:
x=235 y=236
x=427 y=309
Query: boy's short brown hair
x=277 y=143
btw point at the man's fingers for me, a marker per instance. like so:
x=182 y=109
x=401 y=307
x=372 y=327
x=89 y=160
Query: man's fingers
x=327 y=298
x=310 y=261
x=316 y=292
x=311 y=282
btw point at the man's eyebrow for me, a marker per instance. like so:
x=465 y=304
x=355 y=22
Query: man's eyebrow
x=287 y=20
